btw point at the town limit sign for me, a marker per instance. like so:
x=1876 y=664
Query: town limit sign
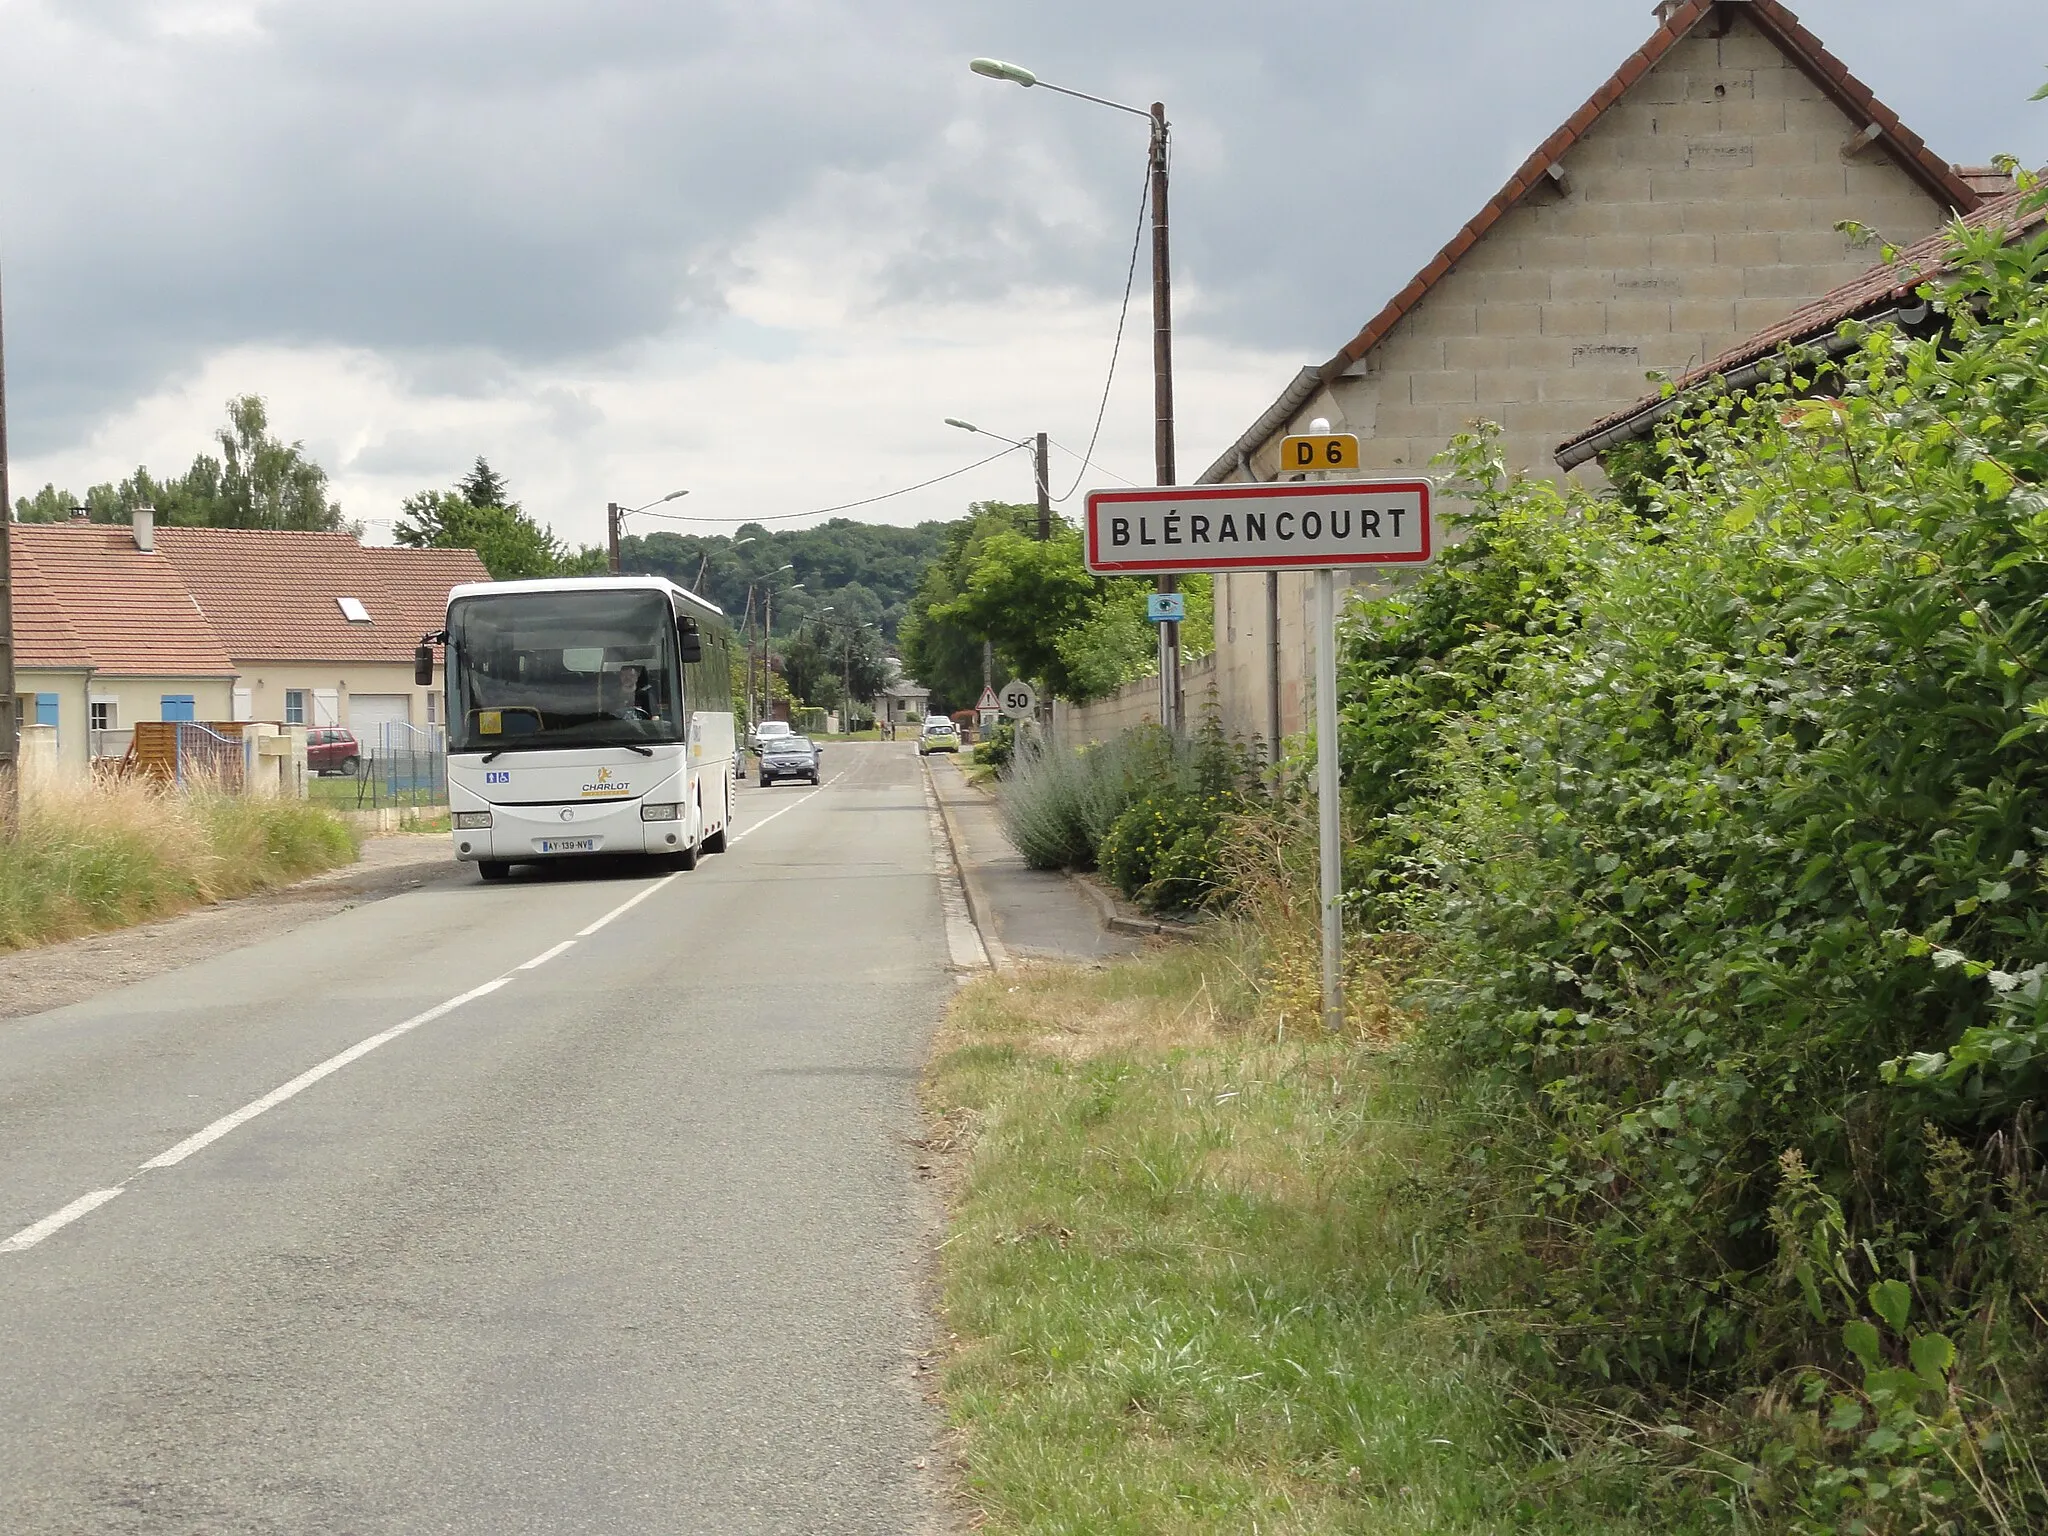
x=1296 y=526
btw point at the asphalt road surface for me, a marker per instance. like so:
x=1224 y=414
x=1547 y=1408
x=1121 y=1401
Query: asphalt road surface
x=628 y=1240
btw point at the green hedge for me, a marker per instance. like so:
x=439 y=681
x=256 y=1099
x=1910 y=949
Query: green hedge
x=1727 y=822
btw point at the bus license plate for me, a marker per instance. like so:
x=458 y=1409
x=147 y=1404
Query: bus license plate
x=568 y=845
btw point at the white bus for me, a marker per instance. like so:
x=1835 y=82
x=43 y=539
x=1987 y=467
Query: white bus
x=585 y=716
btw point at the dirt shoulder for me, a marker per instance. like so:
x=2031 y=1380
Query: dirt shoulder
x=53 y=975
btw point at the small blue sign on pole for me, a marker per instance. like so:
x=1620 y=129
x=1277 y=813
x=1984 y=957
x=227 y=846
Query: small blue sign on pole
x=1164 y=607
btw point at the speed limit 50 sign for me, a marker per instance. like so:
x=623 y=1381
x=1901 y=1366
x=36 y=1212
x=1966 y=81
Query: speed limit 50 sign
x=1018 y=699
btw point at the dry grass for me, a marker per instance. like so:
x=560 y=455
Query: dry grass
x=92 y=855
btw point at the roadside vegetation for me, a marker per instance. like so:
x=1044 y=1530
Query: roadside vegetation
x=1687 y=1132
x=93 y=856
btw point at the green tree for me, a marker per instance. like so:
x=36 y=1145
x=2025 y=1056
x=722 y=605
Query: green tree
x=1023 y=594
x=258 y=481
x=938 y=652
x=511 y=544
x=483 y=486
x=49 y=505
x=261 y=481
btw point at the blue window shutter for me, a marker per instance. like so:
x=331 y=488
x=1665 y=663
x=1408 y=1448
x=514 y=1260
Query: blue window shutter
x=46 y=709
x=180 y=706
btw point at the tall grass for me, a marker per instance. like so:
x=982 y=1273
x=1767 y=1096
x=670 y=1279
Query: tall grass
x=89 y=856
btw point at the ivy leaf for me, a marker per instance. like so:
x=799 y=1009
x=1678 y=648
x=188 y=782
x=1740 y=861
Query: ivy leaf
x=1863 y=1340
x=1845 y=1415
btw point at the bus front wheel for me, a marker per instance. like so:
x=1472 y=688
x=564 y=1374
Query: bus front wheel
x=493 y=869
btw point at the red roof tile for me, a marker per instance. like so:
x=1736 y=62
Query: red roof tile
x=272 y=595
x=43 y=636
x=128 y=611
x=1881 y=288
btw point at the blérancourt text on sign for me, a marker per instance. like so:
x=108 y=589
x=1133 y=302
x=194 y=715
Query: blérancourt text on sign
x=1260 y=527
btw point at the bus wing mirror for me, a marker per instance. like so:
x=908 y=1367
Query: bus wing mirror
x=423 y=666
x=690 y=644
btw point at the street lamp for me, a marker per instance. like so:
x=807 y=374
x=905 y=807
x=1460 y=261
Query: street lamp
x=1037 y=446
x=615 y=517
x=1162 y=342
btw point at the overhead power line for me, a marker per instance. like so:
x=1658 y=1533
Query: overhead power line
x=844 y=506
x=1130 y=278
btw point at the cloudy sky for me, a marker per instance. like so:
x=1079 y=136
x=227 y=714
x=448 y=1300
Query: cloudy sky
x=760 y=248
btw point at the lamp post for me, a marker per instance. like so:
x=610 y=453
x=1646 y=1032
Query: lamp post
x=768 y=634
x=1162 y=342
x=1037 y=447
x=614 y=522
x=9 y=726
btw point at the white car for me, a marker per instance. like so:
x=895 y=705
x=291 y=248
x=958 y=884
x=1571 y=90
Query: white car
x=768 y=730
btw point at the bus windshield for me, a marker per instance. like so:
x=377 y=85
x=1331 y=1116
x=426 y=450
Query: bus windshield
x=534 y=670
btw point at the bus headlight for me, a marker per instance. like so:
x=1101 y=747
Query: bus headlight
x=467 y=821
x=668 y=812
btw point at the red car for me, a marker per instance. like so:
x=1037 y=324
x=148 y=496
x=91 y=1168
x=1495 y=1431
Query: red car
x=332 y=751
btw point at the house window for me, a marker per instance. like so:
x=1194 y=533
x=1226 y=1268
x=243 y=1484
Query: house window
x=295 y=706
x=433 y=708
x=46 y=709
x=106 y=715
x=180 y=706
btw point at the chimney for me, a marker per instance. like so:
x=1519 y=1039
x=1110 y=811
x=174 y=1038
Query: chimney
x=145 y=529
x=80 y=515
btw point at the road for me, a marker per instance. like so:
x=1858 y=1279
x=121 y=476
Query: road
x=630 y=1240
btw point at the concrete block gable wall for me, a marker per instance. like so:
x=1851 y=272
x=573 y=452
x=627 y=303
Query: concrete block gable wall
x=1694 y=211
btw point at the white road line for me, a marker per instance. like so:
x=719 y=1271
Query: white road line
x=799 y=800
x=28 y=1237
x=619 y=911
x=312 y=1075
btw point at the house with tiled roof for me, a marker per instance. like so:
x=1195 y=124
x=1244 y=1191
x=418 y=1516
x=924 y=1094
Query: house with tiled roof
x=120 y=624
x=1888 y=294
x=106 y=634
x=1690 y=203
x=321 y=628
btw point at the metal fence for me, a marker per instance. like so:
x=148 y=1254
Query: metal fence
x=205 y=756
x=404 y=765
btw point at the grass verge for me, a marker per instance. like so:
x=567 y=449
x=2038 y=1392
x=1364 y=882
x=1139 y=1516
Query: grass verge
x=89 y=857
x=1187 y=1281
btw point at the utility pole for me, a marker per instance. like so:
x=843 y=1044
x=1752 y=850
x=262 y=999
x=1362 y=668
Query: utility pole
x=1044 y=495
x=611 y=535
x=1162 y=405
x=9 y=726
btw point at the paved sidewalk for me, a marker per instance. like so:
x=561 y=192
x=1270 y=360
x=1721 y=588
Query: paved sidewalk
x=1037 y=914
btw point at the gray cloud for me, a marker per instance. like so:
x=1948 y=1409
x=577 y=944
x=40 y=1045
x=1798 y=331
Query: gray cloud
x=464 y=186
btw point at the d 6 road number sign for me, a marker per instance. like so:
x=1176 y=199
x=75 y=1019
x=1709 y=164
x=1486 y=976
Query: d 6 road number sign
x=1320 y=450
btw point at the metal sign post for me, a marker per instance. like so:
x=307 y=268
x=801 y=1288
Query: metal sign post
x=1321 y=527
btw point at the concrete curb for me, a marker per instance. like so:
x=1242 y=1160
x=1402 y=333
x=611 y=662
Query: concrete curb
x=1119 y=916
x=980 y=915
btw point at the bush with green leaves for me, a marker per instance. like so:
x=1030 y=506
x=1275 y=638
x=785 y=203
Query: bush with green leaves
x=1728 y=820
x=1060 y=805
x=1167 y=848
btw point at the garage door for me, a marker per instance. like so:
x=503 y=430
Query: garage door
x=369 y=713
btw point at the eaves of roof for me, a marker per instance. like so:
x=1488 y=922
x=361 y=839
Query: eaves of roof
x=1885 y=291
x=1940 y=179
